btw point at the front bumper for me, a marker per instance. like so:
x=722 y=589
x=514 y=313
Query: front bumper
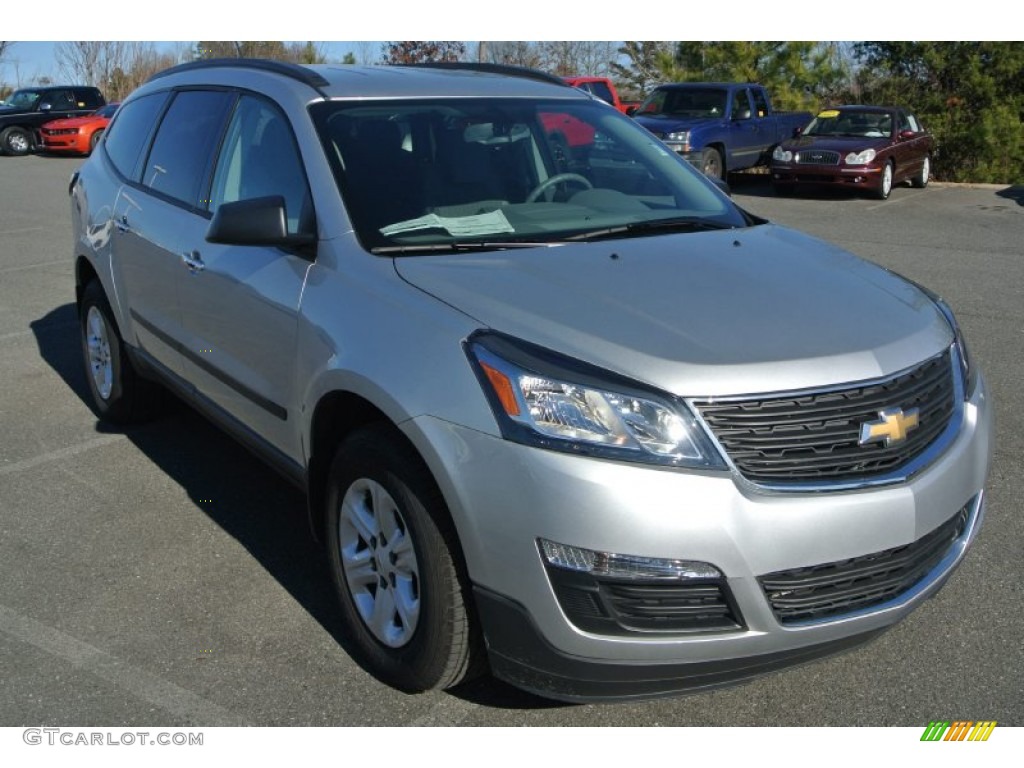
x=63 y=143
x=860 y=176
x=504 y=497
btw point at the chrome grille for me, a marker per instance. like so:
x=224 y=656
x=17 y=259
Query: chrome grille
x=815 y=437
x=817 y=157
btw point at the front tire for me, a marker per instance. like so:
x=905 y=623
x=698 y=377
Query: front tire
x=16 y=141
x=920 y=181
x=711 y=163
x=94 y=140
x=885 y=183
x=119 y=394
x=395 y=563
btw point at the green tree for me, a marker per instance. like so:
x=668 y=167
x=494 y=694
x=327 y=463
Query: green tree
x=642 y=69
x=798 y=75
x=969 y=94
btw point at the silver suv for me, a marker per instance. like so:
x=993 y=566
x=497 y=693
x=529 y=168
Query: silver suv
x=561 y=409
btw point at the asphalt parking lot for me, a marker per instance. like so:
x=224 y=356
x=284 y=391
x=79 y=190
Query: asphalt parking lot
x=162 y=576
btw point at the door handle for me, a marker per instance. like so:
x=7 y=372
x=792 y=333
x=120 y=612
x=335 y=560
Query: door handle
x=122 y=224
x=193 y=261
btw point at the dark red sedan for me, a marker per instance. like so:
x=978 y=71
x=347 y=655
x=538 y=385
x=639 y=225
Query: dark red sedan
x=76 y=134
x=858 y=147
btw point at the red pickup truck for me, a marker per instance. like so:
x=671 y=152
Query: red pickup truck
x=569 y=131
x=604 y=89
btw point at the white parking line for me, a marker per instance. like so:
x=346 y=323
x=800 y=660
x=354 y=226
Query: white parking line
x=32 y=266
x=901 y=199
x=158 y=692
x=450 y=710
x=60 y=453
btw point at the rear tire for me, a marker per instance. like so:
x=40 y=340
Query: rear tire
x=119 y=394
x=395 y=563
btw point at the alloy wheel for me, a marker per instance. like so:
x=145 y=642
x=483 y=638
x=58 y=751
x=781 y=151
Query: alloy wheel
x=379 y=562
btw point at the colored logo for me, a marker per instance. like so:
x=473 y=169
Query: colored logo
x=892 y=426
x=959 y=730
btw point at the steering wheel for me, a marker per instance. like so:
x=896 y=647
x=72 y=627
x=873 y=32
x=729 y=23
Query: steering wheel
x=558 y=178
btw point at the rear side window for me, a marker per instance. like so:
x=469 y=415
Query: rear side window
x=88 y=98
x=127 y=136
x=185 y=141
x=602 y=91
x=760 y=104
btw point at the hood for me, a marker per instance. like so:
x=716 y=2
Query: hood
x=74 y=122
x=841 y=144
x=659 y=125
x=764 y=309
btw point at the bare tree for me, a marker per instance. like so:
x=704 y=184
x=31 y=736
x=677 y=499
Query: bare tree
x=577 y=57
x=91 y=62
x=520 y=53
x=420 y=51
x=4 y=45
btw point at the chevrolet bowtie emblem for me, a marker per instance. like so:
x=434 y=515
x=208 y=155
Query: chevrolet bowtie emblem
x=892 y=426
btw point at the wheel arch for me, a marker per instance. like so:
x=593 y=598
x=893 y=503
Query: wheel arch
x=85 y=273
x=338 y=414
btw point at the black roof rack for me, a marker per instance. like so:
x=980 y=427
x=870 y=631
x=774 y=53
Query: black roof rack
x=496 y=69
x=294 y=71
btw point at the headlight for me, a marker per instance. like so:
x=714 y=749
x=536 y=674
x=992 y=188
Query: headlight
x=542 y=399
x=683 y=136
x=783 y=156
x=860 y=158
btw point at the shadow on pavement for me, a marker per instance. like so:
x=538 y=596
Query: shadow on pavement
x=1015 y=193
x=262 y=511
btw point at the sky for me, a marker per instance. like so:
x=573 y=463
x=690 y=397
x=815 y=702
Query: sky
x=31 y=57
x=29 y=60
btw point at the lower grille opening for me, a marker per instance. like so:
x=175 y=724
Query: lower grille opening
x=618 y=606
x=831 y=590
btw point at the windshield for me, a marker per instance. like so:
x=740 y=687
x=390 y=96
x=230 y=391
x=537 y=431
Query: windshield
x=416 y=174
x=23 y=99
x=851 y=122
x=686 y=102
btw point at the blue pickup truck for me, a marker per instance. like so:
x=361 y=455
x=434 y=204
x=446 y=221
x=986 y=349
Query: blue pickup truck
x=719 y=127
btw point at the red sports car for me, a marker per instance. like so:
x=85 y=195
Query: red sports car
x=869 y=148
x=76 y=134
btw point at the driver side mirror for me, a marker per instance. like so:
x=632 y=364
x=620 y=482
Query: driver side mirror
x=258 y=221
x=45 y=106
x=906 y=134
x=743 y=114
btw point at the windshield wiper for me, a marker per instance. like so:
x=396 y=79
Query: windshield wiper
x=679 y=224
x=458 y=247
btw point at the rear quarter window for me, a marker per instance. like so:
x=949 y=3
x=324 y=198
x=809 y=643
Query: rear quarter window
x=128 y=135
